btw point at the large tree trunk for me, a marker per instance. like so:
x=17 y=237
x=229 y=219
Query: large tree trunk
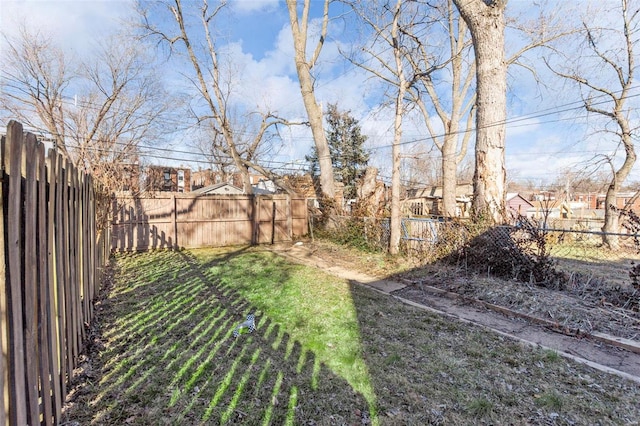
x=314 y=110
x=486 y=23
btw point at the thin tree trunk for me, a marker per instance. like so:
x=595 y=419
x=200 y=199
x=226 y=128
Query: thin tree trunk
x=449 y=175
x=394 y=237
x=314 y=110
x=611 y=218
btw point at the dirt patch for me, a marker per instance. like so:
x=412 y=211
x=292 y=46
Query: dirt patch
x=578 y=322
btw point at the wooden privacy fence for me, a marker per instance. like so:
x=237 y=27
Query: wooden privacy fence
x=173 y=220
x=52 y=258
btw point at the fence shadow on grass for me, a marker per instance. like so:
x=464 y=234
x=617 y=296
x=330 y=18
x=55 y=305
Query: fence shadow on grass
x=167 y=355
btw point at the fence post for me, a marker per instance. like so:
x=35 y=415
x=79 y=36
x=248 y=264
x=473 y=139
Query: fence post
x=174 y=221
x=46 y=369
x=273 y=222
x=289 y=216
x=255 y=231
x=61 y=272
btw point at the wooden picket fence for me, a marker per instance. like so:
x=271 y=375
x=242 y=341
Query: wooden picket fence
x=53 y=252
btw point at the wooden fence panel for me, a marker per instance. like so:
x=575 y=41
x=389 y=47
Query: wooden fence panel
x=169 y=220
x=50 y=269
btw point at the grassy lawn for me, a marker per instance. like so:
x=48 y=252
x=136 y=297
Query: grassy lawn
x=326 y=351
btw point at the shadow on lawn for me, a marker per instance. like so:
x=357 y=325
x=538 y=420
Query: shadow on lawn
x=167 y=355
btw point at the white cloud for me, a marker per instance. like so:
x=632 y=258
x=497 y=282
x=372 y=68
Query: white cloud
x=249 y=6
x=74 y=24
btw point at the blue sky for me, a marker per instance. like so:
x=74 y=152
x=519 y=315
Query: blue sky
x=541 y=139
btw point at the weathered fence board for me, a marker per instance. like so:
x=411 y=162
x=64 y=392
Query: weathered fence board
x=4 y=328
x=171 y=220
x=17 y=399
x=50 y=267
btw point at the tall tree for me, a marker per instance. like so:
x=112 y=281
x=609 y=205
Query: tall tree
x=97 y=111
x=36 y=76
x=605 y=74
x=348 y=157
x=304 y=66
x=394 y=231
x=452 y=106
x=211 y=85
x=386 y=22
x=486 y=21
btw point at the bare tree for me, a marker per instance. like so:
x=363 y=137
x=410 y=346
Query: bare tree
x=304 y=66
x=252 y=141
x=425 y=63
x=387 y=24
x=121 y=105
x=424 y=58
x=214 y=88
x=35 y=78
x=605 y=77
x=97 y=112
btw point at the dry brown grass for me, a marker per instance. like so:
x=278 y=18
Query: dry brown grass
x=162 y=353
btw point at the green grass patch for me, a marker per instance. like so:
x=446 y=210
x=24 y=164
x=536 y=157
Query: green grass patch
x=315 y=309
x=325 y=351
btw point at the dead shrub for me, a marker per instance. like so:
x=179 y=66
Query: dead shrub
x=631 y=222
x=512 y=252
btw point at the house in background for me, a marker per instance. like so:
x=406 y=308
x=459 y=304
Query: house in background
x=169 y=179
x=208 y=177
x=428 y=201
x=517 y=205
x=204 y=178
x=222 y=188
x=622 y=200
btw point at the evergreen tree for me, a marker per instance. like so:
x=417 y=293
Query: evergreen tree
x=345 y=147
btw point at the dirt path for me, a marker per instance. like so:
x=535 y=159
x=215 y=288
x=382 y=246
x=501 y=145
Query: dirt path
x=599 y=355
